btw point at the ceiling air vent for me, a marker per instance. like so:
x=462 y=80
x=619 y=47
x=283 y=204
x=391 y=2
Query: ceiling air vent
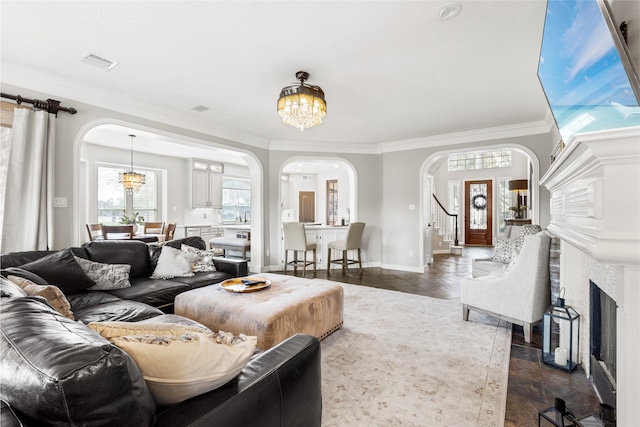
x=200 y=108
x=99 y=61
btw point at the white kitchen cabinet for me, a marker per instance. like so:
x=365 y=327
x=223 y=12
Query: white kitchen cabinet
x=324 y=237
x=208 y=233
x=206 y=185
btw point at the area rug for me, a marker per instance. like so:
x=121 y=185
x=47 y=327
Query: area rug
x=410 y=360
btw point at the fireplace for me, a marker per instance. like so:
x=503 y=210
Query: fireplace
x=595 y=205
x=603 y=344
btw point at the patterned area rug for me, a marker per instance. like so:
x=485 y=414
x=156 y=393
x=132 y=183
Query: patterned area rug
x=410 y=360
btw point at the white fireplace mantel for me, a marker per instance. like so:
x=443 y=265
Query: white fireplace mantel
x=595 y=208
x=595 y=195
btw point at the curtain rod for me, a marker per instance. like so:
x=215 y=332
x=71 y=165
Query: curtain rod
x=51 y=105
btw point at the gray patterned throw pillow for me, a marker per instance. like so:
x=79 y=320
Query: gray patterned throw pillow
x=204 y=261
x=106 y=276
x=504 y=248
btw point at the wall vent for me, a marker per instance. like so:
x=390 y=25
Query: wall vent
x=100 y=61
x=306 y=177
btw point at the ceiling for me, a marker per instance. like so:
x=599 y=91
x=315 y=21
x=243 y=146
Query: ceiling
x=391 y=70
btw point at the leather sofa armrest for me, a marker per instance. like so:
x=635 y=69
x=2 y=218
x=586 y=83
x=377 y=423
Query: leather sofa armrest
x=279 y=387
x=235 y=267
x=11 y=417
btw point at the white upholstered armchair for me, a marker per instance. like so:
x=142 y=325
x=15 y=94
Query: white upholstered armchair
x=521 y=295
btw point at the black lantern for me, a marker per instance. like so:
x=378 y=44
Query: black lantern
x=558 y=415
x=561 y=336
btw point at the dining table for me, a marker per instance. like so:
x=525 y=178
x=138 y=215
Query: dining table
x=147 y=238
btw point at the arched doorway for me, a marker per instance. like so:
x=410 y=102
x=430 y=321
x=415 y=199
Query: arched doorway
x=431 y=179
x=106 y=142
x=332 y=182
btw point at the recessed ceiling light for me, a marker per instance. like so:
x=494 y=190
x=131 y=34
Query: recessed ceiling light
x=448 y=11
x=200 y=108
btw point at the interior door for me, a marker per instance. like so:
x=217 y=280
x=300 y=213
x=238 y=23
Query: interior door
x=307 y=206
x=478 y=212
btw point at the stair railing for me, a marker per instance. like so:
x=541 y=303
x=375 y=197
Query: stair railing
x=443 y=219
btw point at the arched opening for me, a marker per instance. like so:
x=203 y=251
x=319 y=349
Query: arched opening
x=105 y=144
x=332 y=182
x=431 y=183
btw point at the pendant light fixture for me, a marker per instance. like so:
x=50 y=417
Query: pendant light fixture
x=131 y=181
x=302 y=106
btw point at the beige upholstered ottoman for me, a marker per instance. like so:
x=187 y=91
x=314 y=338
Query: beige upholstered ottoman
x=290 y=305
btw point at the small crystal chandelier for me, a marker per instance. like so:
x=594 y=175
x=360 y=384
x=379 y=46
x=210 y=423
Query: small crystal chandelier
x=131 y=181
x=302 y=105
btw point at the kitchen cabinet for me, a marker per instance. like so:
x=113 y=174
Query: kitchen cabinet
x=205 y=232
x=206 y=182
x=323 y=238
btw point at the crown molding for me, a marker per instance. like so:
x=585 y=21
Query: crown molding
x=325 y=147
x=478 y=135
x=28 y=78
x=19 y=76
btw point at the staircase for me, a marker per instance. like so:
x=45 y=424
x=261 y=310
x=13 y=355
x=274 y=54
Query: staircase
x=445 y=227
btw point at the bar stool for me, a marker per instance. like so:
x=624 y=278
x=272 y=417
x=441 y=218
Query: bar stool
x=295 y=239
x=352 y=241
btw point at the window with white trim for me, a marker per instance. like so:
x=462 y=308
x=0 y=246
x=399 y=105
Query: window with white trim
x=479 y=160
x=236 y=199
x=114 y=202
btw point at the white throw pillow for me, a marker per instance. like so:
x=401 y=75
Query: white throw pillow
x=204 y=261
x=106 y=276
x=172 y=263
x=177 y=368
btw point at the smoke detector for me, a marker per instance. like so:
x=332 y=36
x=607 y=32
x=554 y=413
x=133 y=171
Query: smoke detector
x=100 y=61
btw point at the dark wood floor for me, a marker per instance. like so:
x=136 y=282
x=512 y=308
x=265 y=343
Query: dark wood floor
x=533 y=386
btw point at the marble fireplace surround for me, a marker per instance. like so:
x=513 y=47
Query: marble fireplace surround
x=595 y=211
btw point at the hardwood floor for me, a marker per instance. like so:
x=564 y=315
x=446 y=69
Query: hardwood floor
x=532 y=386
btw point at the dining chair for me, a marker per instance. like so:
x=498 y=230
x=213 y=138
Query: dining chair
x=352 y=241
x=95 y=232
x=168 y=232
x=295 y=239
x=154 y=228
x=117 y=232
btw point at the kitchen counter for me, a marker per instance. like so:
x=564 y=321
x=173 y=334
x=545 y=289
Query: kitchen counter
x=248 y=226
x=324 y=227
x=230 y=226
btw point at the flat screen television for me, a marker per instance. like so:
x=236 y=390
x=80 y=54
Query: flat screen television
x=585 y=69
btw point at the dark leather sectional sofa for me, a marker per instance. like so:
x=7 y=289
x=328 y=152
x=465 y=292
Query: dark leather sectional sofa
x=56 y=371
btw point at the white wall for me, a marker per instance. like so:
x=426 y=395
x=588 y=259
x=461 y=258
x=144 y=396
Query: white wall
x=386 y=185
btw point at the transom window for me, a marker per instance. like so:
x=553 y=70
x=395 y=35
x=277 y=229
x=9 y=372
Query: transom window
x=236 y=199
x=483 y=160
x=114 y=202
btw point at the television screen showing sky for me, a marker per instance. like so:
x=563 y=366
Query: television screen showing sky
x=581 y=72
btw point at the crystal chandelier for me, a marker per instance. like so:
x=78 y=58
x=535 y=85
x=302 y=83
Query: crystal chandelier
x=302 y=105
x=131 y=181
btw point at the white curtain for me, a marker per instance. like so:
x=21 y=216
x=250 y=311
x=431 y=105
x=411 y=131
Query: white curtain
x=27 y=222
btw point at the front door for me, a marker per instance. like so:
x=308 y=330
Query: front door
x=307 y=206
x=478 y=213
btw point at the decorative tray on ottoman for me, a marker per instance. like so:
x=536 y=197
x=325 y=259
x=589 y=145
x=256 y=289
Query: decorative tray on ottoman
x=245 y=284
